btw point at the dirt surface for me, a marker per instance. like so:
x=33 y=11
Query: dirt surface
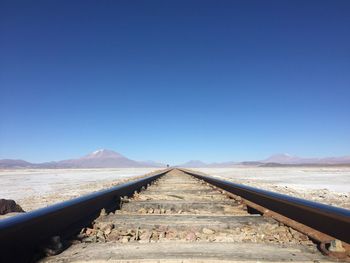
x=36 y=188
x=41 y=188
x=325 y=185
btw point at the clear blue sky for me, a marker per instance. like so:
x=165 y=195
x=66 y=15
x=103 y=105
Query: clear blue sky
x=174 y=80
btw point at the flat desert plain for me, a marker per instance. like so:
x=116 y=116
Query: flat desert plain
x=36 y=188
x=328 y=185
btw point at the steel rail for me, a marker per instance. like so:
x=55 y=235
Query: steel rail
x=24 y=233
x=327 y=219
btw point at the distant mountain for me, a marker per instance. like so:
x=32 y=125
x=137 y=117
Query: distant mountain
x=98 y=159
x=9 y=163
x=151 y=164
x=101 y=159
x=193 y=164
x=285 y=158
x=109 y=159
x=102 y=154
x=281 y=159
x=250 y=163
x=336 y=160
x=223 y=164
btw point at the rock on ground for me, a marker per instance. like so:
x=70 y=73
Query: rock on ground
x=9 y=206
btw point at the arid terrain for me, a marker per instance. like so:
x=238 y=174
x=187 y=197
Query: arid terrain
x=328 y=185
x=36 y=188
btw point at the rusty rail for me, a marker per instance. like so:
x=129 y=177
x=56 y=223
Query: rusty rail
x=22 y=235
x=323 y=223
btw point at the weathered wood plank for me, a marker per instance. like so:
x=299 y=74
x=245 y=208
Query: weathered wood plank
x=186 y=252
x=184 y=221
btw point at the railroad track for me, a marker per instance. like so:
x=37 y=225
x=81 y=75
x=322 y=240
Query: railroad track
x=185 y=216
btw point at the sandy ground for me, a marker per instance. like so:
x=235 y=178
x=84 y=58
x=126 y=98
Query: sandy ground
x=328 y=185
x=36 y=188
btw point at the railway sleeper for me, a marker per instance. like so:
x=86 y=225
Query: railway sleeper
x=181 y=219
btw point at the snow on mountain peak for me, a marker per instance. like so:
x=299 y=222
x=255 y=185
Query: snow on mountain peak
x=103 y=153
x=98 y=151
